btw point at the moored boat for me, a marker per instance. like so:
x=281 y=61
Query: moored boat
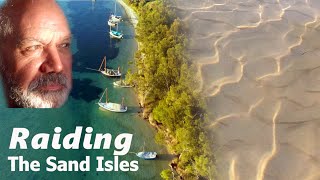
x=112 y=23
x=115 y=18
x=116 y=34
x=122 y=83
x=108 y=72
x=147 y=155
x=114 y=107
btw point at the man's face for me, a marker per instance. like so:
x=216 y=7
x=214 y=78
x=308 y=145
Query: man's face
x=37 y=60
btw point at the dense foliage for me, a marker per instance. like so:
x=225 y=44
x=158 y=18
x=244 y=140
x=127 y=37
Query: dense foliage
x=165 y=79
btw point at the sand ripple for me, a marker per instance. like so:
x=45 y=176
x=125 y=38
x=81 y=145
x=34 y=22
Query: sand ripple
x=260 y=71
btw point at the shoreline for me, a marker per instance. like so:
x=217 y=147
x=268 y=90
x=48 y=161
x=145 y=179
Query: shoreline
x=146 y=112
x=133 y=17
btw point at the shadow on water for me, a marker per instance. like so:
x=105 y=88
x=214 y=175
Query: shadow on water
x=88 y=92
x=165 y=157
x=129 y=36
x=134 y=109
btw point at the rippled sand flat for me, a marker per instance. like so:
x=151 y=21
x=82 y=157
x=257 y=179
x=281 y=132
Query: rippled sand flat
x=259 y=62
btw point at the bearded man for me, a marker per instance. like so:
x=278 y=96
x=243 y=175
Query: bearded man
x=35 y=55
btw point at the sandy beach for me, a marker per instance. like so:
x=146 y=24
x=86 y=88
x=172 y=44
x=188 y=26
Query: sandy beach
x=259 y=68
x=133 y=18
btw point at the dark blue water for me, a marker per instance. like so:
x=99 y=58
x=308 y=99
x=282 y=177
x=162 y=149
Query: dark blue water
x=91 y=42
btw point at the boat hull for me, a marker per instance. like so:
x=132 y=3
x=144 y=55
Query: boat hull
x=113 y=74
x=116 y=36
x=147 y=155
x=114 y=107
x=118 y=84
x=115 y=18
x=112 y=23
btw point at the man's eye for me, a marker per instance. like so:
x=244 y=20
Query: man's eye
x=33 y=48
x=65 y=45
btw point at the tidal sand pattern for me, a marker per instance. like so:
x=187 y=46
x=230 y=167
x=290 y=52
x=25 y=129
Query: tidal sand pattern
x=260 y=71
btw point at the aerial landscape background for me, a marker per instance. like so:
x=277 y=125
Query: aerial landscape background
x=260 y=72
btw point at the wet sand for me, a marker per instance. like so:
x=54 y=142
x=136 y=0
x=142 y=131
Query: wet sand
x=260 y=72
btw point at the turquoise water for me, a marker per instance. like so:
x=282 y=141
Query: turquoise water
x=88 y=23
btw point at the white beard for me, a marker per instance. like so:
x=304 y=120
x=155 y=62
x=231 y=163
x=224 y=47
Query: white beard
x=39 y=100
x=26 y=99
x=36 y=100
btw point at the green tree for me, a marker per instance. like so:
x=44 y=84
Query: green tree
x=166 y=174
x=165 y=78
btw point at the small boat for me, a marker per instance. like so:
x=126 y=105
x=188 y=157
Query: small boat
x=114 y=107
x=147 y=155
x=112 y=23
x=114 y=17
x=115 y=34
x=108 y=72
x=122 y=83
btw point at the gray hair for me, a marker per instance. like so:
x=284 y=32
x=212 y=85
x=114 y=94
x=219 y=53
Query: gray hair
x=6 y=28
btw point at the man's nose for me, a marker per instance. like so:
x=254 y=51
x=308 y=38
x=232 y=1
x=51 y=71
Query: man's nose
x=52 y=61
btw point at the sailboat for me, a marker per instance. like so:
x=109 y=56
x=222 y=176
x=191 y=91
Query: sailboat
x=122 y=83
x=114 y=107
x=114 y=17
x=115 y=34
x=93 y=4
x=108 y=72
x=147 y=155
x=112 y=23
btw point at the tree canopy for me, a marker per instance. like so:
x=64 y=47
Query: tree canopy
x=165 y=78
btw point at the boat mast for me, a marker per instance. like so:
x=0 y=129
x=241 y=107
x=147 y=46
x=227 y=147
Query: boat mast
x=105 y=63
x=144 y=144
x=104 y=60
x=92 y=4
x=122 y=101
x=115 y=8
x=106 y=95
x=102 y=95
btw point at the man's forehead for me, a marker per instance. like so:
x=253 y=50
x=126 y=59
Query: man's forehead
x=12 y=4
x=43 y=35
x=38 y=18
x=42 y=16
x=17 y=7
x=27 y=13
x=42 y=26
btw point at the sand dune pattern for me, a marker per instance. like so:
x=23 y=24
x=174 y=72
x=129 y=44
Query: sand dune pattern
x=259 y=62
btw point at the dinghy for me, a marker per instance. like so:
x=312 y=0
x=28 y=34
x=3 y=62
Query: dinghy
x=147 y=155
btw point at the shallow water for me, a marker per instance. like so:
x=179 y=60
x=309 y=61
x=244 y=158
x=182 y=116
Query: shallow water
x=259 y=68
x=88 y=23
